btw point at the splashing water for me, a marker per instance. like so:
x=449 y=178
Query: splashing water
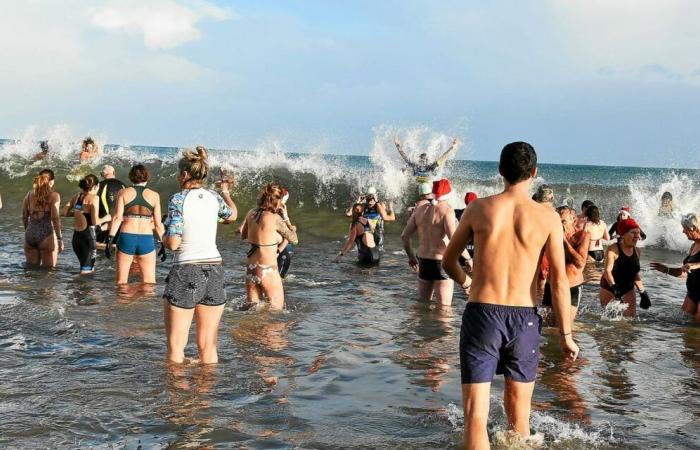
x=614 y=310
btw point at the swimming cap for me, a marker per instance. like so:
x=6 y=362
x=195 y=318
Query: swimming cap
x=626 y=225
x=442 y=189
x=424 y=189
x=470 y=197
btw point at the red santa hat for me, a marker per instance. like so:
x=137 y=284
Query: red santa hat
x=626 y=212
x=442 y=189
x=470 y=197
x=626 y=225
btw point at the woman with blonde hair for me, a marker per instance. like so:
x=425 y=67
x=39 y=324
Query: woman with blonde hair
x=195 y=285
x=43 y=239
x=137 y=215
x=265 y=229
x=84 y=207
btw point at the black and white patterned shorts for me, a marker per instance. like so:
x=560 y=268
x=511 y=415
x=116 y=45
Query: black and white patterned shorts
x=189 y=285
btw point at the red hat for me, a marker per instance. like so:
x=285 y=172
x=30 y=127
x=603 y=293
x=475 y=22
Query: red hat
x=470 y=197
x=442 y=189
x=626 y=225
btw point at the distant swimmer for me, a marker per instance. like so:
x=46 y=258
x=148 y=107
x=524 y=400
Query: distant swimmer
x=265 y=230
x=43 y=239
x=435 y=224
x=361 y=235
x=137 y=219
x=666 y=208
x=544 y=195
x=84 y=207
x=44 y=153
x=582 y=218
x=576 y=244
x=194 y=287
x=286 y=249
x=690 y=270
x=623 y=214
x=621 y=274
x=598 y=230
x=424 y=170
x=88 y=150
x=107 y=193
x=500 y=326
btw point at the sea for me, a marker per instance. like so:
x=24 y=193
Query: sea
x=354 y=360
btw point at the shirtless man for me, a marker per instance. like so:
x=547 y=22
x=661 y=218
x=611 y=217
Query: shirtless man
x=576 y=245
x=435 y=224
x=500 y=326
x=424 y=170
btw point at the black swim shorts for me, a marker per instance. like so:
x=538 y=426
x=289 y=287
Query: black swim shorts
x=575 y=291
x=189 y=285
x=431 y=270
x=496 y=339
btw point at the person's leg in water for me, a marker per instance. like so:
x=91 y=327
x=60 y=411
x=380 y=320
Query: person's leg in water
x=476 y=398
x=123 y=261
x=207 y=320
x=274 y=290
x=445 y=290
x=147 y=263
x=517 y=399
x=177 y=330
x=48 y=251
x=631 y=300
x=425 y=290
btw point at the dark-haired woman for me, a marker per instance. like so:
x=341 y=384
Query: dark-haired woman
x=42 y=222
x=361 y=235
x=88 y=149
x=690 y=270
x=265 y=229
x=84 y=207
x=598 y=231
x=195 y=285
x=138 y=214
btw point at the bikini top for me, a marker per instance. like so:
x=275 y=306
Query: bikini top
x=139 y=207
x=253 y=246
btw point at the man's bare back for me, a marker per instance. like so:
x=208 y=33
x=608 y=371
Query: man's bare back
x=434 y=224
x=509 y=236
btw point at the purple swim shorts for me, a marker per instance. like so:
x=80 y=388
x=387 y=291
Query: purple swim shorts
x=497 y=339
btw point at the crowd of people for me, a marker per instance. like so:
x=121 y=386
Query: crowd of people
x=509 y=253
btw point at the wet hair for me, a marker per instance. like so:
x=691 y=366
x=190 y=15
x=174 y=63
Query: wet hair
x=48 y=172
x=690 y=222
x=88 y=182
x=562 y=208
x=544 y=194
x=139 y=174
x=586 y=204
x=270 y=196
x=44 y=146
x=593 y=214
x=87 y=141
x=195 y=163
x=358 y=209
x=423 y=156
x=42 y=189
x=666 y=196
x=518 y=160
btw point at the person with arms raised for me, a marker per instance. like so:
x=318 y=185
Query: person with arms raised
x=500 y=326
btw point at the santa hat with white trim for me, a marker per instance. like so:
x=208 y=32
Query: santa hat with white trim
x=442 y=189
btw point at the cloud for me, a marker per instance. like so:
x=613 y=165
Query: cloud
x=164 y=24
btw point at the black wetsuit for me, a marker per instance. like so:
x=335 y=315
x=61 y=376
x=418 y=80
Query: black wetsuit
x=624 y=271
x=284 y=260
x=366 y=255
x=108 y=201
x=84 y=244
x=470 y=244
x=692 y=283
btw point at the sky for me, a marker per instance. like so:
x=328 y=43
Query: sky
x=586 y=82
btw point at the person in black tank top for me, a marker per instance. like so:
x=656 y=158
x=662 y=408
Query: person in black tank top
x=691 y=266
x=622 y=267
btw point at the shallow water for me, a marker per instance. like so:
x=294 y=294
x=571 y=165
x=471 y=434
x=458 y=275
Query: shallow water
x=354 y=362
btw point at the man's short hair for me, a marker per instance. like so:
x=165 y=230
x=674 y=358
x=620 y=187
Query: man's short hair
x=518 y=160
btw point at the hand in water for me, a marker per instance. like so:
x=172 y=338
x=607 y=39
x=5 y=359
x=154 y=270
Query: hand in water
x=60 y=246
x=338 y=258
x=108 y=247
x=161 y=253
x=569 y=347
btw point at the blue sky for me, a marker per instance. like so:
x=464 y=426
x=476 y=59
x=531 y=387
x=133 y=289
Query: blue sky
x=585 y=82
